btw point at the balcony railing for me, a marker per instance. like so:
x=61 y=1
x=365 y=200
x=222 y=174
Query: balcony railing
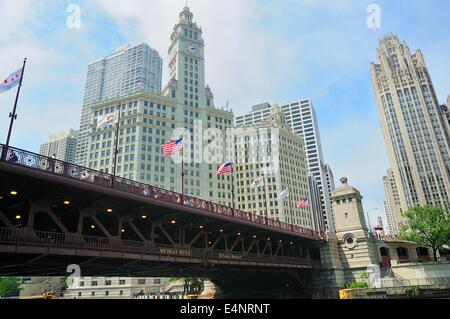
x=15 y=156
x=50 y=239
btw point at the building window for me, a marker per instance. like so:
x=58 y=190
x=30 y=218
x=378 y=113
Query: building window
x=122 y=282
x=141 y=281
x=108 y=283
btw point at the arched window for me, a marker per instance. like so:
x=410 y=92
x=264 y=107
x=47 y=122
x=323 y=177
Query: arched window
x=422 y=253
x=402 y=254
x=384 y=251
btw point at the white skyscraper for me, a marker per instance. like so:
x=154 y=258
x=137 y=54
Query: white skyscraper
x=148 y=120
x=62 y=145
x=129 y=70
x=187 y=64
x=392 y=205
x=302 y=119
x=272 y=154
x=330 y=183
x=316 y=202
x=413 y=124
x=330 y=177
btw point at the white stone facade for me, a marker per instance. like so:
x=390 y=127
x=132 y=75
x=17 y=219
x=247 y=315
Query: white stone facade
x=63 y=145
x=413 y=125
x=271 y=151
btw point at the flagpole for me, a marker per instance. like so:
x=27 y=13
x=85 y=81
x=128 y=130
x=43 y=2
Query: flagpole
x=265 y=194
x=13 y=115
x=182 y=169
x=232 y=187
x=116 y=147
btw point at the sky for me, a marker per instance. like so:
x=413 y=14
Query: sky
x=257 y=51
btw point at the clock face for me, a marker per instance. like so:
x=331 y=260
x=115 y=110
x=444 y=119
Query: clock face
x=191 y=48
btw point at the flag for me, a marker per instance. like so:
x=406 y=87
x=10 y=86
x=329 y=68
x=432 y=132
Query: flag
x=107 y=119
x=284 y=194
x=259 y=182
x=225 y=168
x=172 y=147
x=303 y=203
x=11 y=81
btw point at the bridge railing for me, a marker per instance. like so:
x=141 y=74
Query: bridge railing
x=53 y=166
x=24 y=236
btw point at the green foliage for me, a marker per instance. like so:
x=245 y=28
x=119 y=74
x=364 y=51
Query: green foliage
x=427 y=226
x=62 y=285
x=413 y=291
x=364 y=275
x=356 y=285
x=10 y=287
x=195 y=284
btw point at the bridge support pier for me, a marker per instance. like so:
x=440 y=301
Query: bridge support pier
x=262 y=284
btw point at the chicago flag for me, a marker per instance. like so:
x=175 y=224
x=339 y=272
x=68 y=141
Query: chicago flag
x=284 y=194
x=11 y=81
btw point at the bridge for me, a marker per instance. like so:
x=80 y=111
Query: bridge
x=54 y=213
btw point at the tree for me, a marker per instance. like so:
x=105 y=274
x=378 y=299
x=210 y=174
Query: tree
x=62 y=286
x=10 y=287
x=428 y=226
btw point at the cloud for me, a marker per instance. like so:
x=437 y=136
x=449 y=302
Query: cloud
x=13 y=15
x=16 y=43
x=52 y=92
x=243 y=58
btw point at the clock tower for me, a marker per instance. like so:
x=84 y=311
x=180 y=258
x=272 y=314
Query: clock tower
x=187 y=64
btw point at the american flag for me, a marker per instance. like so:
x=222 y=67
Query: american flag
x=303 y=203
x=225 y=168
x=172 y=147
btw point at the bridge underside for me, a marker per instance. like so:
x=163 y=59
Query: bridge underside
x=49 y=222
x=56 y=266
